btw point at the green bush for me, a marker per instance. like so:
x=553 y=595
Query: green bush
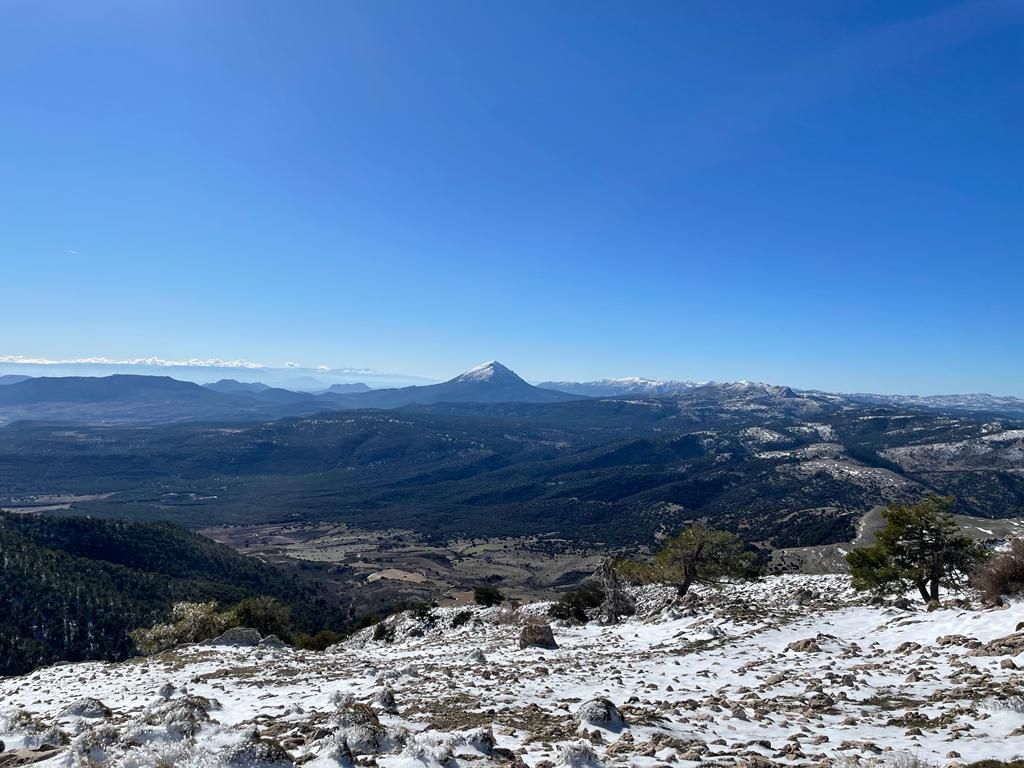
x=487 y=596
x=573 y=606
x=322 y=640
x=698 y=555
x=190 y=623
x=266 y=614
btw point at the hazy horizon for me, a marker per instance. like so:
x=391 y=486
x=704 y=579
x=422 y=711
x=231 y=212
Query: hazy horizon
x=300 y=377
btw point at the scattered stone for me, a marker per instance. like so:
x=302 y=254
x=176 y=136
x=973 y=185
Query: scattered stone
x=17 y=757
x=1010 y=645
x=809 y=645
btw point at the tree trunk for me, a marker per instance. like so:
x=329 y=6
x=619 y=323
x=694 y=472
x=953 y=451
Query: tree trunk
x=936 y=575
x=684 y=585
x=922 y=587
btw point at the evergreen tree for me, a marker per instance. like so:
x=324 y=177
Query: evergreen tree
x=698 y=555
x=920 y=547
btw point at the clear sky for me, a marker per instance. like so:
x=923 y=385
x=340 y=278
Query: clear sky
x=821 y=194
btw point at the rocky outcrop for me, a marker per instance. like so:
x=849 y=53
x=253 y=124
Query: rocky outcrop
x=241 y=636
x=537 y=635
x=1010 y=645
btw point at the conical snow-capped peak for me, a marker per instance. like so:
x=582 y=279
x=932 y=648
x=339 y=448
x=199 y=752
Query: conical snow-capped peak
x=491 y=371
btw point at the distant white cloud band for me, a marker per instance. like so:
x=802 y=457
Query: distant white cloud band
x=159 y=362
x=153 y=361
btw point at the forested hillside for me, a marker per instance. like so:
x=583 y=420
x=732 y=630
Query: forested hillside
x=72 y=588
x=779 y=467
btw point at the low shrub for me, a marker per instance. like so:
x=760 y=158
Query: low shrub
x=507 y=616
x=487 y=596
x=573 y=606
x=190 y=623
x=320 y=641
x=383 y=632
x=265 y=614
x=1002 y=574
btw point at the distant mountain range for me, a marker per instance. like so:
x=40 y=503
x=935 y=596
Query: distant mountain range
x=231 y=386
x=144 y=399
x=634 y=386
x=490 y=382
x=346 y=389
x=978 y=402
x=292 y=376
x=781 y=466
x=631 y=385
x=126 y=398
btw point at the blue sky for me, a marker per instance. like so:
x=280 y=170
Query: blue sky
x=819 y=194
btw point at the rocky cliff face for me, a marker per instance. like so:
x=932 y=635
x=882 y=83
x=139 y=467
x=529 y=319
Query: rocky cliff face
x=791 y=670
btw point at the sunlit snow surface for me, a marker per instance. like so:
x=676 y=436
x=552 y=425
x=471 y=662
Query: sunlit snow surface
x=713 y=681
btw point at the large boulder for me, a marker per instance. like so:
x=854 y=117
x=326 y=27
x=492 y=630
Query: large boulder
x=537 y=635
x=241 y=636
x=87 y=707
x=600 y=712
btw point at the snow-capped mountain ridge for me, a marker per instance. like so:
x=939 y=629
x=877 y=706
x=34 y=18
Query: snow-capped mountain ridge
x=491 y=371
x=624 y=385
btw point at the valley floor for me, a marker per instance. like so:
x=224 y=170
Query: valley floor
x=794 y=670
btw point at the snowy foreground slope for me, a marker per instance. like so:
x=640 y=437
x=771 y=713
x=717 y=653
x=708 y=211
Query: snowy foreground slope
x=794 y=670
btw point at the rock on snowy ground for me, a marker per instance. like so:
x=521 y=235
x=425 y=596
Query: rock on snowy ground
x=791 y=670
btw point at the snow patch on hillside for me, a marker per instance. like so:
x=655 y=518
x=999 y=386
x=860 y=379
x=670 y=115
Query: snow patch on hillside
x=790 y=670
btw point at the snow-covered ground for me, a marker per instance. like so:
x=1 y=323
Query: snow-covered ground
x=795 y=670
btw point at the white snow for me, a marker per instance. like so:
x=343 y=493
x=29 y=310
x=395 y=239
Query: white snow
x=716 y=674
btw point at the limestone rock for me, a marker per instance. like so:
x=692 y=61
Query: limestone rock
x=537 y=635
x=600 y=712
x=242 y=636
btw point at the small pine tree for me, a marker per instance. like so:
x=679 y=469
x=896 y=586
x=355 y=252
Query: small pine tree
x=698 y=555
x=920 y=547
